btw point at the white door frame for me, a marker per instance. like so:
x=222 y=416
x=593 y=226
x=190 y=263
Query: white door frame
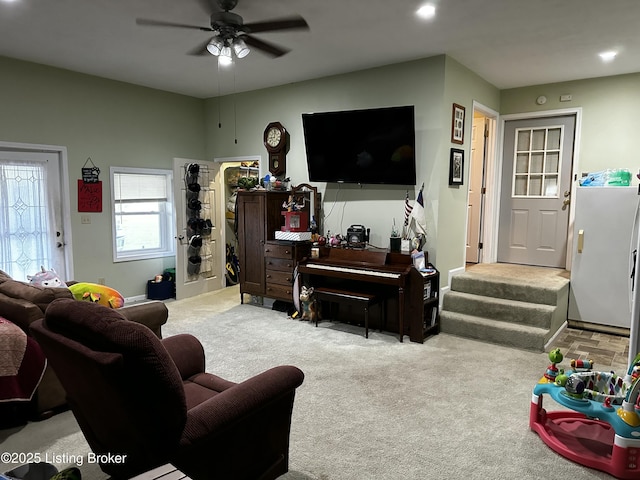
x=65 y=215
x=488 y=218
x=494 y=180
x=223 y=200
x=198 y=284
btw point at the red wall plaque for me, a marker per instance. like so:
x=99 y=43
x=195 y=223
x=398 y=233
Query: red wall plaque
x=89 y=196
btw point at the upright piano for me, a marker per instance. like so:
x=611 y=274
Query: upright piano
x=388 y=274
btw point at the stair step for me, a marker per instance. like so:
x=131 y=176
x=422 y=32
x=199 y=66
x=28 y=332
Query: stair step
x=503 y=333
x=499 y=309
x=517 y=306
x=510 y=289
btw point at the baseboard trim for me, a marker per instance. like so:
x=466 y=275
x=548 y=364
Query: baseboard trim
x=135 y=299
x=453 y=273
x=595 y=327
x=562 y=328
x=444 y=289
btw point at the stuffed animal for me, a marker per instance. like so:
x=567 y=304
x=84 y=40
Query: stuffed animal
x=308 y=304
x=46 y=278
x=93 y=292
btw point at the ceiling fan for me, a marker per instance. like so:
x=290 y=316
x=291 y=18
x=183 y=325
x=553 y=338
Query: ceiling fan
x=231 y=33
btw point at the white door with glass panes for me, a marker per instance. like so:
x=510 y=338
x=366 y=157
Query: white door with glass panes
x=199 y=254
x=536 y=191
x=32 y=212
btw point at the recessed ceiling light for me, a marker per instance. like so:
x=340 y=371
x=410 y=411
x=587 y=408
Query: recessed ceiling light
x=608 y=56
x=426 y=11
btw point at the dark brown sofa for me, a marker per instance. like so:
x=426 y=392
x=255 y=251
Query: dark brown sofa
x=23 y=303
x=151 y=402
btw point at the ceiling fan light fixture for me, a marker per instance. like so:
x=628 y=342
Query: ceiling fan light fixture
x=240 y=48
x=225 y=57
x=215 y=46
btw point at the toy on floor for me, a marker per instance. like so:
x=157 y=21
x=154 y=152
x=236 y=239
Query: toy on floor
x=308 y=305
x=603 y=430
x=552 y=371
x=93 y=292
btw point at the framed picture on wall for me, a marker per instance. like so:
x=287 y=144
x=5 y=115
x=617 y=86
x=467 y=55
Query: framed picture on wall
x=457 y=124
x=456 y=166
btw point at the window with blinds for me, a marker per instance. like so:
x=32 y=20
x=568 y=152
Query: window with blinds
x=143 y=221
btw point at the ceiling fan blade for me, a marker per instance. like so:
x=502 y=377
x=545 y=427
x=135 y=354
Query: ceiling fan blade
x=286 y=23
x=161 y=23
x=268 y=48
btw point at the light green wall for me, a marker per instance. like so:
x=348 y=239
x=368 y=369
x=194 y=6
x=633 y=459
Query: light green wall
x=610 y=120
x=113 y=123
x=418 y=83
x=120 y=124
x=463 y=87
x=430 y=84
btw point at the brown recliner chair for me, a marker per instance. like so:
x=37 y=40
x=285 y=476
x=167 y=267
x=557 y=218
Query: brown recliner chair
x=23 y=303
x=150 y=400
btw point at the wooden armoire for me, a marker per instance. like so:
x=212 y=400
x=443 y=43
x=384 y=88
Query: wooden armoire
x=259 y=215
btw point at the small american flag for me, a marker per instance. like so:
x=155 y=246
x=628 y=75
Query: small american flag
x=407 y=209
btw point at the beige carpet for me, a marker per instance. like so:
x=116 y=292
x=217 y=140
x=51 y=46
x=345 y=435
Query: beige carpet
x=375 y=408
x=525 y=273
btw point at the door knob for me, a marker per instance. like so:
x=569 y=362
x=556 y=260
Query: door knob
x=565 y=203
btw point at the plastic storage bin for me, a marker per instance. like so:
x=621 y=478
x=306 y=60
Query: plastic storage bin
x=160 y=290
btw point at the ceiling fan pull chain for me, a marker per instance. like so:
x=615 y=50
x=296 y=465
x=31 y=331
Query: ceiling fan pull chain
x=219 y=99
x=235 y=116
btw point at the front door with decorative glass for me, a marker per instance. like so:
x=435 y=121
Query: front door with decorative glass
x=536 y=191
x=31 y=213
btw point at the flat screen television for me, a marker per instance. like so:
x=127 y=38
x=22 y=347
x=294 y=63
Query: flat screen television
x=372 y=146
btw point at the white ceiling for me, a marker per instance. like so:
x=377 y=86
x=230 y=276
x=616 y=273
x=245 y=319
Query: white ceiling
x=510 y=43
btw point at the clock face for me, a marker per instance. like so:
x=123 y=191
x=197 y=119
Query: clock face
x=274 y=135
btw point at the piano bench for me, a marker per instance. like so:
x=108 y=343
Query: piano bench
x=355 y=298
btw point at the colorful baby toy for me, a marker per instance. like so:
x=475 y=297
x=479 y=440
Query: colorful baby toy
x=552 y=371
x=603 y=430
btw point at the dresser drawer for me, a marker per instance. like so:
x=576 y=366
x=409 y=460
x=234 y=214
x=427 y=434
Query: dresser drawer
x=280 y=291
x=278 y=251
x=282 y=264
x=279 y=277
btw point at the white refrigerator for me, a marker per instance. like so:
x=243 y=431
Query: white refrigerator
x=604 y=240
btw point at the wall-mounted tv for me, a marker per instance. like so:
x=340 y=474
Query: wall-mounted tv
x=373 y=146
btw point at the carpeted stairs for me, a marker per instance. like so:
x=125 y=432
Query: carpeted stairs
x=511 y=305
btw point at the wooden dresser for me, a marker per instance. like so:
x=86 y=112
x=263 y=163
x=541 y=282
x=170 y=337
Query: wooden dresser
x=258 y=216
x=281 y=257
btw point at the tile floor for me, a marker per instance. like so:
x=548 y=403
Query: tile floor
x=607 y=351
